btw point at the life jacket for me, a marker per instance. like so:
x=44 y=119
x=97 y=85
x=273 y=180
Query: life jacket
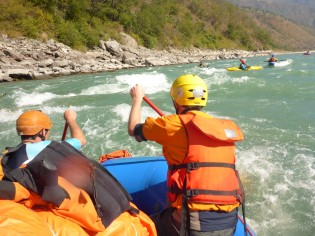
x=207 y=174
x=16 y=219
x=109 y=197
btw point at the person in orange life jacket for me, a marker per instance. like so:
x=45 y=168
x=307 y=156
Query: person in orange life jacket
x=272 y=58
x=243 y=65
x=34 y=128
x=66 y=188
x=197 y=148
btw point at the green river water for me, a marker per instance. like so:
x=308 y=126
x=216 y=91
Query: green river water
x=275 y=107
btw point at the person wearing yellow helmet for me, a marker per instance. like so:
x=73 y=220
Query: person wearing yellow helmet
x=204 y=191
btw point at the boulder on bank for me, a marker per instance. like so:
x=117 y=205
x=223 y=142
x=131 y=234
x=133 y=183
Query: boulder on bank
x=22 y=58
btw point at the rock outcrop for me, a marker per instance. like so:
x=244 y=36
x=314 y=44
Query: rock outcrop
x=22 y=58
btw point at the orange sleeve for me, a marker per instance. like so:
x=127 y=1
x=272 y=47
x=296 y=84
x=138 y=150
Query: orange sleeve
x=169 y=132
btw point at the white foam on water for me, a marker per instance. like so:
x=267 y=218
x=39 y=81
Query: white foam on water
x=211 y=71
x=8 y=115
x=42 y=87
x=92 y=129
x=122 y=111
x=103 y=89
x=241 y=79
x=152 y=82
x=283 y=63
x=61 y=109
x=260 y=120
x=257 y=163
x=213 y=76
x=25 y=98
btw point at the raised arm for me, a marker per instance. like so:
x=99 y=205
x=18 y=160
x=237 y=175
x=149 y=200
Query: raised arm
x=137 y=94
x=75 y=130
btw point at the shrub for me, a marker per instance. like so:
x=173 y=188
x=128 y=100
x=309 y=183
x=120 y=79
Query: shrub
x=68 y=34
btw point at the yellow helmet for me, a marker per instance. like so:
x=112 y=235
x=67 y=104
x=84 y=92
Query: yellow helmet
x=31 y=122
x=189 y=90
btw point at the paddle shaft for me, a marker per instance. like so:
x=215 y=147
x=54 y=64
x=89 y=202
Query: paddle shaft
x=147 y=100
x=65 y=129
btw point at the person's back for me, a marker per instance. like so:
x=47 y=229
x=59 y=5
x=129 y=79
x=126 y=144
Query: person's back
x=272 y=58
x=197 y=142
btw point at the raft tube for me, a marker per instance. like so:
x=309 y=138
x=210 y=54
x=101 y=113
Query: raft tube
x=145 y=180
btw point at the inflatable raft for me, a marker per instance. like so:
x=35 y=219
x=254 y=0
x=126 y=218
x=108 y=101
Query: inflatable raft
x=145 y=179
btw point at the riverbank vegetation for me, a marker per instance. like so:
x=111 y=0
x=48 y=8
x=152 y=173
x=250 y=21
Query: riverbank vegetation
x=158 y=24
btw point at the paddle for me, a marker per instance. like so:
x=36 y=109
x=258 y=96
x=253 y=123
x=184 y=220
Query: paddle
x=65 y=129
x=147 y=100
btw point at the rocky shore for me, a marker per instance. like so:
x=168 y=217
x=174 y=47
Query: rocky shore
x=29 y=59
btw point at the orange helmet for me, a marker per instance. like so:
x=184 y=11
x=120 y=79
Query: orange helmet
x=31 y=122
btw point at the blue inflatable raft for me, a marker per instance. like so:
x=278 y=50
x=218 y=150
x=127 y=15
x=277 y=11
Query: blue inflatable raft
x=145 y=179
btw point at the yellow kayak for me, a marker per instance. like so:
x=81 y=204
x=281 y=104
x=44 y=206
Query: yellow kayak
x=250 y=68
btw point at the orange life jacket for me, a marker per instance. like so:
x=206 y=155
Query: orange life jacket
x=109 y=197
x=86 y=182
x=208 y=173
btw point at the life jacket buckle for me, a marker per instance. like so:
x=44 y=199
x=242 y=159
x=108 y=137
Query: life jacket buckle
x=191 y=193
x=192 y=166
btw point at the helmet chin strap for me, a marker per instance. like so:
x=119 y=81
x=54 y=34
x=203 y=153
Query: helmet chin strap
x=41 y=135
x=178 y=110
x=176 y=107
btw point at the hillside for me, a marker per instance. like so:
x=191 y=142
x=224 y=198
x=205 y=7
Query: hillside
x=155 y=24
x=285 y=34
x=298 y=11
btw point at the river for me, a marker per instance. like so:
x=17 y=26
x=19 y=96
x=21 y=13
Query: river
x=273 y=106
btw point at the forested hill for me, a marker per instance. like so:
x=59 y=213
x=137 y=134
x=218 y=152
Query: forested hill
x=299 y=11
x=159 y=24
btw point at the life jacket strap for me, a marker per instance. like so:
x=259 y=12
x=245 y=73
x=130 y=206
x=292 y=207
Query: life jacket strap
x=195 y=165
x=196 y=192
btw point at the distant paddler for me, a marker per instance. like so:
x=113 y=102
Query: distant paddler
x=202 y=65
x=272 y=58
x=243 y=65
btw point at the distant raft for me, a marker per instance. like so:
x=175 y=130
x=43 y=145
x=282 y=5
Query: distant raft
x=238 y=69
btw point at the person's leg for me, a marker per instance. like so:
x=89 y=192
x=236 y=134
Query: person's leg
x=163 y=223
